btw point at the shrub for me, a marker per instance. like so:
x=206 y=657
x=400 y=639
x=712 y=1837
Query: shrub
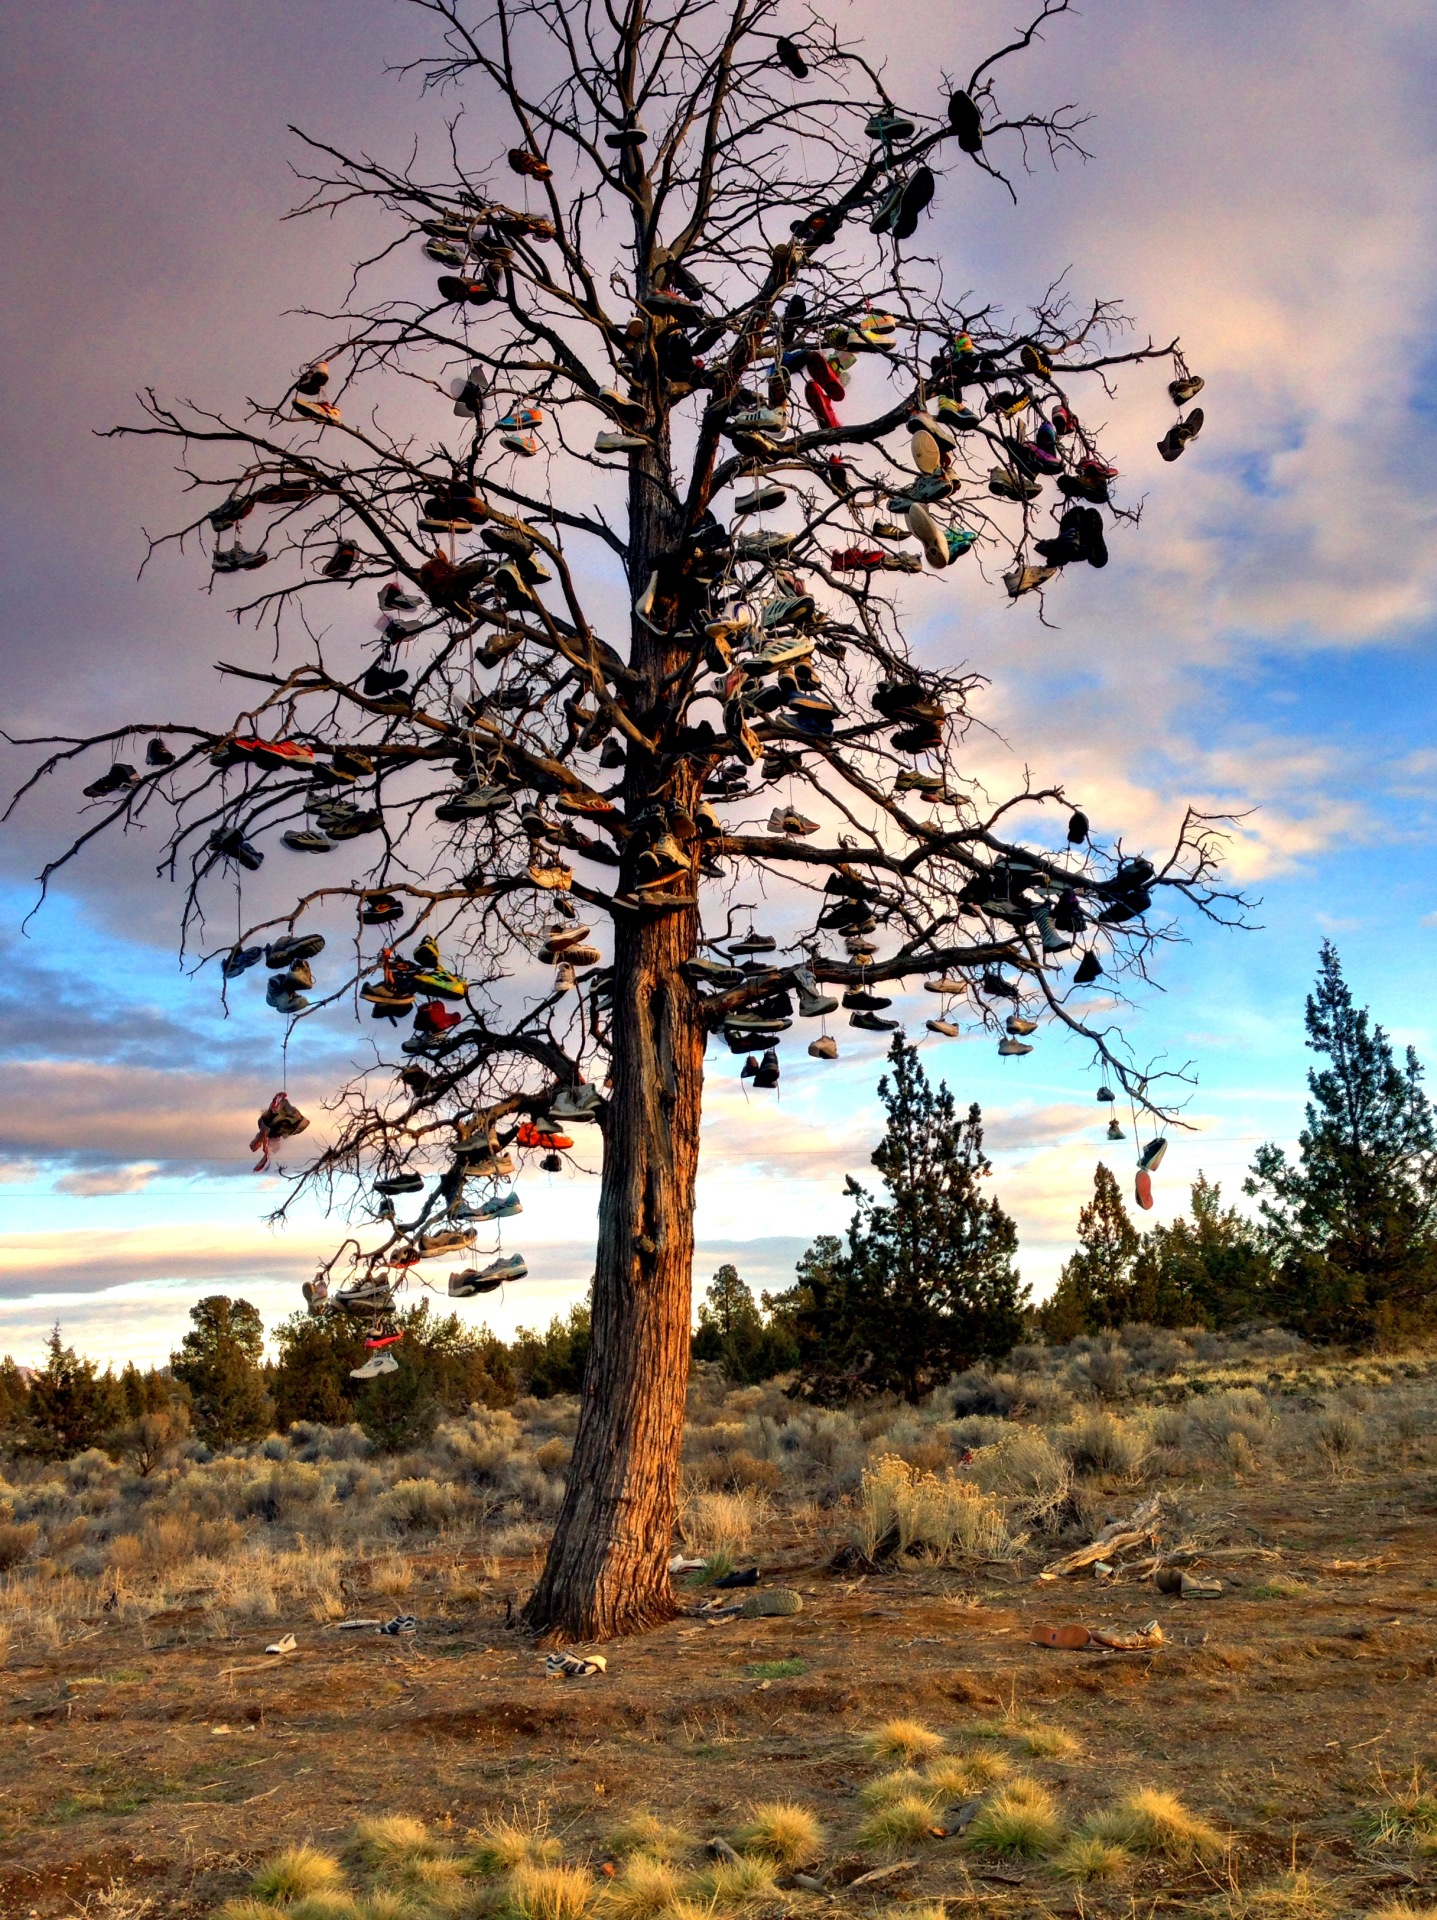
x=642 y=1888
x=645 y=1832
x=715 y=1523
x=1087 y=1858
x=960 y=1776
x=904 y=1511
x=1104 y=1444
x=903 y=1782
x=16 y=1542
x=416 y=1506
x=523 y=1840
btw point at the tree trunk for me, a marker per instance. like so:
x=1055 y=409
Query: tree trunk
x=607 y=1570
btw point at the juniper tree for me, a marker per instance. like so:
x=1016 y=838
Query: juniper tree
x=1352 y=1223
x=703 y=229
x=926 y=1286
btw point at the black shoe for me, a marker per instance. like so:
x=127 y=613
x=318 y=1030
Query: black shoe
x=1002 y=989
x=916 y=196
x=157 y=754
x=340 y=561
x=1095 y=546
x=790 y=57
x=857 y=1000
x=378 y=682
x=1087 y=970
x=120 y=775
x=966 y=121
x=767 y=1075
x=743 y=1577
x=1077 y=827
x=239 y=960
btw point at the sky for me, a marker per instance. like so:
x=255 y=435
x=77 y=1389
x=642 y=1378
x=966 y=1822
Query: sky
x=1261 y=183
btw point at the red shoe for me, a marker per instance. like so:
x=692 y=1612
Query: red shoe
x=282 y=753
x=823 y=376
x=531 y=1136
x=1143 y=1189
x=821 y=404
x=435 y=1017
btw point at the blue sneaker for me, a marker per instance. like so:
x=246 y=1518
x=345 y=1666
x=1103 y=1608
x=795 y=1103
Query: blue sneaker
x=503 y=1206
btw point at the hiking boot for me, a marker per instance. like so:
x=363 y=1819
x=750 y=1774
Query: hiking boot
x=1015 y=1023
x=1115 y=1131
x=1006 y=483
x=768 y=1071
x=824 y=1048
x=873 y=1023
x=812 y=1004
x=239 y=960
x=283 y=998
x=945 y=1027
x=1087 y=970
x=376 y=1364
x=1011 y=1048
x=306 y=842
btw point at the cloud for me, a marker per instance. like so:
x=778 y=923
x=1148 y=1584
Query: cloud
x=99 y=1182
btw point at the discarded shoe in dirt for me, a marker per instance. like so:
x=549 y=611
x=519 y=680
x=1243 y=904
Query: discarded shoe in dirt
x=1129 y=1640
x=572 y=1666
x=1186 y=1586
x=285 y=1644
x=682 y=1564
x=774 y=1604
x=1069 y=1639
x=741 y=1577
x=401 y=1623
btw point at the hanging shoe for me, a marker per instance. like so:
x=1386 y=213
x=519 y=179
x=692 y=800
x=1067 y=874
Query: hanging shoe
x=1024 y=579
x=945 y=1027
x=239 y=960
x=1011 y=1048
x=619 y=440
x=1143 y=1189
x=825 y=1047
x=874 y=1023
x=1115 y=1131
x=1087 y=970
x=376 y=1364
x=1151 y=1157
x=1015 y=1023
x=1105 y=1095
x=1053 y=940
x=966 y=121
x=948 y=985
x=305 y=842
x=1185 y=389
x=768 y=1071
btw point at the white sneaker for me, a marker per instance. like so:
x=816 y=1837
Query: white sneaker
x=766 y=494
x=619 y=440
x=946 y=985
x=376 y=1364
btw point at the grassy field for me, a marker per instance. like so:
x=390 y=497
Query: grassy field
x=900 y=1744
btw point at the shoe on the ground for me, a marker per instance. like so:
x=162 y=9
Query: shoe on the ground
x=1011 y=1048
x=945 y=1027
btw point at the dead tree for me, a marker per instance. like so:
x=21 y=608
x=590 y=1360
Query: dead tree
x=697 y=227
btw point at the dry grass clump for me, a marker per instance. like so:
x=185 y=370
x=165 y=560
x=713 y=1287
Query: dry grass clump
x=642 y=1888
x=902 y=1783
x=1298 y=1895
x=906 y=1740
x=296 y=1872
x=1021 y=1821
x=714 y=1524
x=1045 y=1741
x=646 y=1832
x=1084 y=1858
x=959 y=1776
x=1407 y=1817
x=898 y=1823
x=524 y=1840
x=1397 y=1910
x=1151 y=1821
x=735 y=1883
x=390 y=1837
x=781 y=1831
x=549 y=1892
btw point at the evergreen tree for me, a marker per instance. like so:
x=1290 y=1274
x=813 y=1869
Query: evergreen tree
x=1352 y=1224
x=14 y=1403
x=1095 y=1288
x=733 y=1331
x=554 y=1361
x=1207 y=1271
x=927 y=1284
x=71 y=1405
x=219 y=1365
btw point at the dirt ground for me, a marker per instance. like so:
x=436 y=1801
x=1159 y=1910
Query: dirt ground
x=146 y=1767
